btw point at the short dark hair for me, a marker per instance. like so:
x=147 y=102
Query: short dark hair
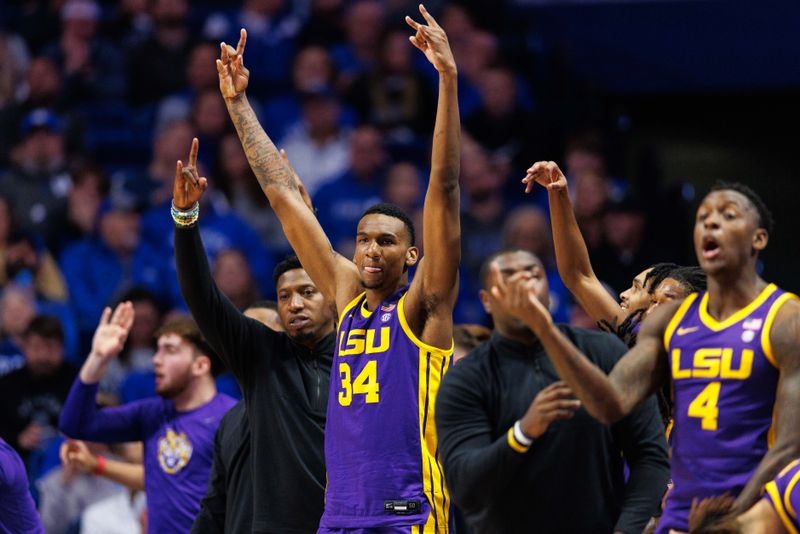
x=385 y=208
x=187 y=329
x=657 y=274
x=487 y=263
x=470 y=336
x=287 y=264
x=692 y=278
x=765 y=219
x=45 y=326
x=713 y=515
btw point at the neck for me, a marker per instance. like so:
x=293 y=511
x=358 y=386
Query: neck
x=520 y=335
x=729 y=293
x=378 y=295
x=199 y=392
x=312 y=343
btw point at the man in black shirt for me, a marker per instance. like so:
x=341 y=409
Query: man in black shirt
x=31 y=397
x=519 y=453
x=283 y=375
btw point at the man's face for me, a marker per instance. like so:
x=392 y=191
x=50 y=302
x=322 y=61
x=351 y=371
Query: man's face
x=669 y=289
x=726 y=232
x=383 y=251
x=636 y=296
x=175 y=364
x=43 y=355
x=305 y=313
x=509 y=264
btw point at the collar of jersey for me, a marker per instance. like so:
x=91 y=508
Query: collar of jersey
x=716 y=326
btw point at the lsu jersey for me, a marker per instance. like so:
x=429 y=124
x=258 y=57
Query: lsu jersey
x=783 y=494
x=724 y=378
x=381 y=449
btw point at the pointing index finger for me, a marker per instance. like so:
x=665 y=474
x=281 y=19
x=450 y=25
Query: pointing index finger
x=193 y=152
x=427 y=16
x=242 y=42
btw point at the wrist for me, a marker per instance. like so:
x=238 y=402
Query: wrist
x=183 y=217
x=518 y=440
x=449 y=72
x=99 y=464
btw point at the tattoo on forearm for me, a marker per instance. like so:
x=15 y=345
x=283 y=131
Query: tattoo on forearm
x=264 y=158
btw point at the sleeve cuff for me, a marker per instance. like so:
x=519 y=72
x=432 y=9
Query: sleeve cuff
x=517 y=440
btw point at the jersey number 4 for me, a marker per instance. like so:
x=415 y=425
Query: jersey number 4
x=366 y=383
x=704 y=406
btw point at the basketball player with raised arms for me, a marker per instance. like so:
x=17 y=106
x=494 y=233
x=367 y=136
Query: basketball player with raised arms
x=394 y=341
x=732 y=353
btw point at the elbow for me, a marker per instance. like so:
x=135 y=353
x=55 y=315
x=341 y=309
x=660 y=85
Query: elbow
x=67 y=426
x=607 y=413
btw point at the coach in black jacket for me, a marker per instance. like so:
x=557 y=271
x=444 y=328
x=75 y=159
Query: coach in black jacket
x=284 y=376
x=520 y=455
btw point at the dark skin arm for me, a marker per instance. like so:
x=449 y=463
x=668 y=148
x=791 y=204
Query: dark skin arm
x=607 y=398
x=334 y=275
x=785 y=339
x=572 y=256
x=432 y=295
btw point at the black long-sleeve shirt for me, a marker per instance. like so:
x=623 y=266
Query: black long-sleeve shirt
x=571 y=478
x=228 y=504
x=285 y=388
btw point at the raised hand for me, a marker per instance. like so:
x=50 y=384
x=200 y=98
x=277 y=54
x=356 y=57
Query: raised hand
x=189 y=185
x=76 y=455
x=547 y=174
x=517 y=296
x=431 y=39
x=300 y=186
x=111 y=333
x=554 y=402
x=233 y=76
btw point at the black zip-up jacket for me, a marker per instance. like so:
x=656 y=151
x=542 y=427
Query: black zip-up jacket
x=571 y=478
x=285 y=389
x=228 y=504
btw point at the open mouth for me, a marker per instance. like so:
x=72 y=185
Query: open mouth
x=372 y=270
x=710 y=248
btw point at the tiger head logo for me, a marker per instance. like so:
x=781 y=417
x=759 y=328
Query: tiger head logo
x=174 y=452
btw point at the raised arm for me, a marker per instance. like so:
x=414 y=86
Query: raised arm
x=607 y=398
x=435 y=285
x=81 y=418
x=572 y=256
x=785 y=340
x=333 y=274
x=223 y=325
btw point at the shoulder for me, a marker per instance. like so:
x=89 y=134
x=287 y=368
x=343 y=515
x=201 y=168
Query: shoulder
x=470 y=371
x=784 y=333
x=597 y=345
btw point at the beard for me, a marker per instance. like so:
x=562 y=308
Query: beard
x=176 y=387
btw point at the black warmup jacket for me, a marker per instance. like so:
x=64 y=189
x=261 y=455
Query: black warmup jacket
x=285 y=389
x=570 y=480
x=228 y=504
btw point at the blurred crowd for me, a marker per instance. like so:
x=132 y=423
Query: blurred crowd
x=98 y=100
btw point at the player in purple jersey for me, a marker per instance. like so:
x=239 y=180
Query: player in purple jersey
x=731 y=351
x=17 y=511
x=177 y=427
x=395 y=339
x=775 y=513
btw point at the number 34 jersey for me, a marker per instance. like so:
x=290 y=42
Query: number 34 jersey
x=724 y=378
x=381 y=449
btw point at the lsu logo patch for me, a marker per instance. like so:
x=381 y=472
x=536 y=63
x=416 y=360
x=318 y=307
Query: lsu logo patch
x=174 y=452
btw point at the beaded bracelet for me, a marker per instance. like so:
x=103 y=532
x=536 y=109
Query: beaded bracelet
x=185 y=218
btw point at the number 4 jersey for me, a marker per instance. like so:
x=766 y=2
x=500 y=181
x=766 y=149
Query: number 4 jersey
x=381 y=450
x=724 y=378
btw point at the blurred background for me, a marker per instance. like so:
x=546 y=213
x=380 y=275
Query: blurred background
x=644 y=104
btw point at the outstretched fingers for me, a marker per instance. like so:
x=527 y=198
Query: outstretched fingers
x=428 y=17
x=242 y=42
x=105 y=316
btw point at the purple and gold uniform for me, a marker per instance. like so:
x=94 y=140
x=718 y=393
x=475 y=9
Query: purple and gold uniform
x=783 y=494
x=724 y=378
x=381 y=450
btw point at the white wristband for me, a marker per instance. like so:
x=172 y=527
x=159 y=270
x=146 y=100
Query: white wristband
x=520 y=436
